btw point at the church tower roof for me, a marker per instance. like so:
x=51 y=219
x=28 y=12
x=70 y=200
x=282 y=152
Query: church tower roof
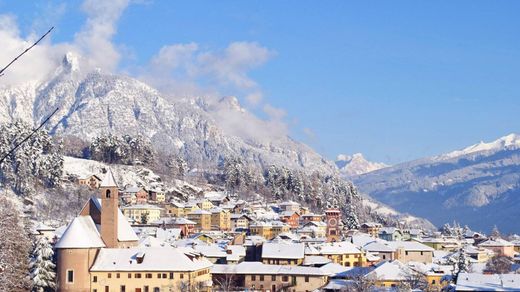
x=108 y=180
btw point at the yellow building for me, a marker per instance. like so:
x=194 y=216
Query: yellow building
x=149 y=269
x=220 y=219
x=261 y=277
x=261 y=229
x=205 y=204
x=175 y=209
x=136 y=212
x=283 y=253
x=190 y=207
x=202 y=218
x=343 y=253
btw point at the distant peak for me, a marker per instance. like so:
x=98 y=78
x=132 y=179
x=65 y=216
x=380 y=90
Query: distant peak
x=506 y=142
x=232 y=103
x=356 y=164
x=71 y=62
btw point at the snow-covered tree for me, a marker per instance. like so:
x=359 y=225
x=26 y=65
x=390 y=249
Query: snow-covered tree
x=14 y=250
x=495 y=233
x=351 y=219
x=42 y=267
x=177 y=166
x=38 y=159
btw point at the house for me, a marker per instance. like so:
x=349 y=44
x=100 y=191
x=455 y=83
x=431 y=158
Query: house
x=342 y=252
x=149 y=269
x=232 y=254
x=488 y=282
x=499 y=246
x=157 y=196
x=289 y=206
x=44 y=231
x=135 y=195
x=441 y=243
x=91 y=180
x=204 y=204
x=319 y=228
x=291 y=218
x=186 y=226
x=220 y=219
x=371 y=228
x=175 y=209
x=390 y=234
x=411 y=251
x=311 y=217
x=283 y=253
x=261 y=229
x=390 y=274
x=202 y=219
x=216 y=198
x=143 y=211
x=256 y=276
x=240 y=221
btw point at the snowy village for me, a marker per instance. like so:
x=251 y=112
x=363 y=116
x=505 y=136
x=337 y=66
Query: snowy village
x=266 y=146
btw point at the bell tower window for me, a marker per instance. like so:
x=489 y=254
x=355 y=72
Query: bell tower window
x=107 y=194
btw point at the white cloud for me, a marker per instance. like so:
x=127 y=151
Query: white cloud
x=95 y=38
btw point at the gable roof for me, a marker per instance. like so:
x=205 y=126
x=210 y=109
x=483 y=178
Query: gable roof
x=155 y=259
x=81 y=233
x=283 y=250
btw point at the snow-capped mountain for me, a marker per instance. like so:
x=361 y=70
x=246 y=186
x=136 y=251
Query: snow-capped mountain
x=356 y=164
x=478 y=186
x=92 y=103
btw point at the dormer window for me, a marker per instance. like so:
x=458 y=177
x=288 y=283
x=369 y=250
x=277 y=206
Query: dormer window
x=107 y=194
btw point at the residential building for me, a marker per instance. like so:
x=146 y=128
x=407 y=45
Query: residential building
x=390 y=234
x=240 y=221
x=91 y=180
x=202 y=219
x=292 y=218
x=342 y=252
x=305 y=218
x=145 y=211
x=499 y=246
x=175 y=209
x=289 y=206
x=220 y=219
x=256 y=276
x=371 y=228
x=283 y=253
x=412 y=251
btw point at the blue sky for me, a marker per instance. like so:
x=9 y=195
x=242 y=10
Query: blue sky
x=395 y=80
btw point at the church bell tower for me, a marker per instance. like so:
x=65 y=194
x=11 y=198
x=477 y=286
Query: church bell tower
x=109 y=210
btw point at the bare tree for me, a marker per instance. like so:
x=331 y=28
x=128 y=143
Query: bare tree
x=499 y=265
x=225 y=283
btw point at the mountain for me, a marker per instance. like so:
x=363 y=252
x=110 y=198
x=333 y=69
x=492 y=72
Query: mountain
x=93 y=103
x=478 y=186
x=356 y=164
x=204 y=131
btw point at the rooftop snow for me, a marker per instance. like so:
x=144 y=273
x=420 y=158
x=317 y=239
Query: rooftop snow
x=81 y=233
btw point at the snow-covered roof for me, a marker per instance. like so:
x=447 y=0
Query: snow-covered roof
x=259 y=268
x=132 y=189
x=485 y=282
x=283 y=250
x=409 y=245
x=124 y=229
x=376 y=246
x=199 y=212
x=155 y=259
x=496 y=242
x=390 y=271
x=342 y=247
x=81 y=233
x=311 y=260
x=142 y=206
x=108 y=180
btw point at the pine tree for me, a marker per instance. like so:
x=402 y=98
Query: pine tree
x=462 y=265
x=351 y=219
x=41 y=266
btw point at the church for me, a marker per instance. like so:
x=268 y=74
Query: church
x=99 y=252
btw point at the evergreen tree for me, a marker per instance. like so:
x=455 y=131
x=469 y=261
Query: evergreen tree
x=462 y=265
x=495 y=233
x=351 y=219
x=41 y=266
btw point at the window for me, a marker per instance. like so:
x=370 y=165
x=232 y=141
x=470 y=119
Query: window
x=164 y=276
x=285 y=278
x=94 y=279
x=273 y=278
x=156 y=289
x=421 y=253
x=158 y=275
x=109 y=275
x=253 y=278
x=129 y=275
x=433 y=282
x=406 y=252
x=107 y=194
x=261 y=277
x=182 y=276
x=138 y=276
x=384 y=257
x=70 y=276
x=306 y=278
x=171 y=275
x=118 y=275
x=94 y=290
x=148 y=275
x=123 y=288
x=146 y=289
x=107 y=289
